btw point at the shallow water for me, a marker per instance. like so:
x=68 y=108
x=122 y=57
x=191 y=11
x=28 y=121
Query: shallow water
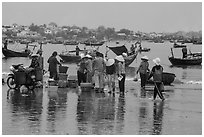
x=70 y=111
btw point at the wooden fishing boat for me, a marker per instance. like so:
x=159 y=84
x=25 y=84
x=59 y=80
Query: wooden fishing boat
x=122 y=49
x=167 y=78
x=11 y=53
x=94 y=43
x=179 y=45
x=186 y=61
x=130 y=59
x=71 y=42
x=70 y=58
x=191 y=59
x=144 y=50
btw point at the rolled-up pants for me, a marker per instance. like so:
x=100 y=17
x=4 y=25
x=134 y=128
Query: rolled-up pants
x=98 y=79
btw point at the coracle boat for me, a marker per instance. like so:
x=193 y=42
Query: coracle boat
x=122 y=49
x=11 y=53
x=167 y=78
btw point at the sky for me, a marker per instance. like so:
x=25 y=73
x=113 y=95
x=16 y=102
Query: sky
x=136 y=16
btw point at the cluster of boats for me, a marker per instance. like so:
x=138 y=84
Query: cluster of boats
x=68 y=57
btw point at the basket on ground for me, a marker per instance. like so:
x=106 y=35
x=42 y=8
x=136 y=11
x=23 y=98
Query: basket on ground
x=63 y=69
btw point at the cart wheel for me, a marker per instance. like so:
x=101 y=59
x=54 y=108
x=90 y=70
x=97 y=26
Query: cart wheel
x=11 y=83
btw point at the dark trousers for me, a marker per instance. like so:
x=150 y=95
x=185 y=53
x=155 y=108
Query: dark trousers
x=184 y=55
x=122 y=84
x=81 y=77
x=143 y=79
x=158 y=89
x=54 y=75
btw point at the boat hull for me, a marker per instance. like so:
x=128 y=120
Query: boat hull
x=130 y=59
x=188 y=61
x=70 y=58
x=10 y=53
x=94 y=44
x=167 y=78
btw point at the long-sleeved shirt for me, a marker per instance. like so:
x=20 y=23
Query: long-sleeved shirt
x=99 y=64
x=143 y=68
x=156 y=72
x=53 y=64
x=121 y=68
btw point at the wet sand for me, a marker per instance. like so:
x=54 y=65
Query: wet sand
x=69 y=111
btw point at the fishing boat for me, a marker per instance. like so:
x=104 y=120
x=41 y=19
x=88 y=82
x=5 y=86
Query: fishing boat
x=179 y=45
x=94 y=43
x=71 y=42
x=11 y=53
x=144 y=50
x=191 y=59
x=122 y=49
x=70 y=58
x=186 y=61
x=130 y=59
x=167 y=78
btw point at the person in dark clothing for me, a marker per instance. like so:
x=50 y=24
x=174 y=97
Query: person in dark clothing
x=111 y=74
x=53 y=62
x=32 y=70
x=120 y=71
x=77 y=51
x=143 y=70
x=6 y=44
x=156 y=72
x=184 y=51
x=81 y=72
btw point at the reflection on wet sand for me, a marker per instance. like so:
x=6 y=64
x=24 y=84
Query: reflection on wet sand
x=158 y=117
x=120 y=113
x=26 y=108
x=97 y=113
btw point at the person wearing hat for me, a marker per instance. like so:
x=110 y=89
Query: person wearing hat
x=88 y=66
x=98 y=66
x=53 y=62
x=121 y=72
x=32 y=70
x=111 y=71
x=143 y=69
x=81 y=72
x=41 y=66
x=156 y=72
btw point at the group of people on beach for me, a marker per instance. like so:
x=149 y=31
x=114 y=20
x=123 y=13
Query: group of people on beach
x=97 y=70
